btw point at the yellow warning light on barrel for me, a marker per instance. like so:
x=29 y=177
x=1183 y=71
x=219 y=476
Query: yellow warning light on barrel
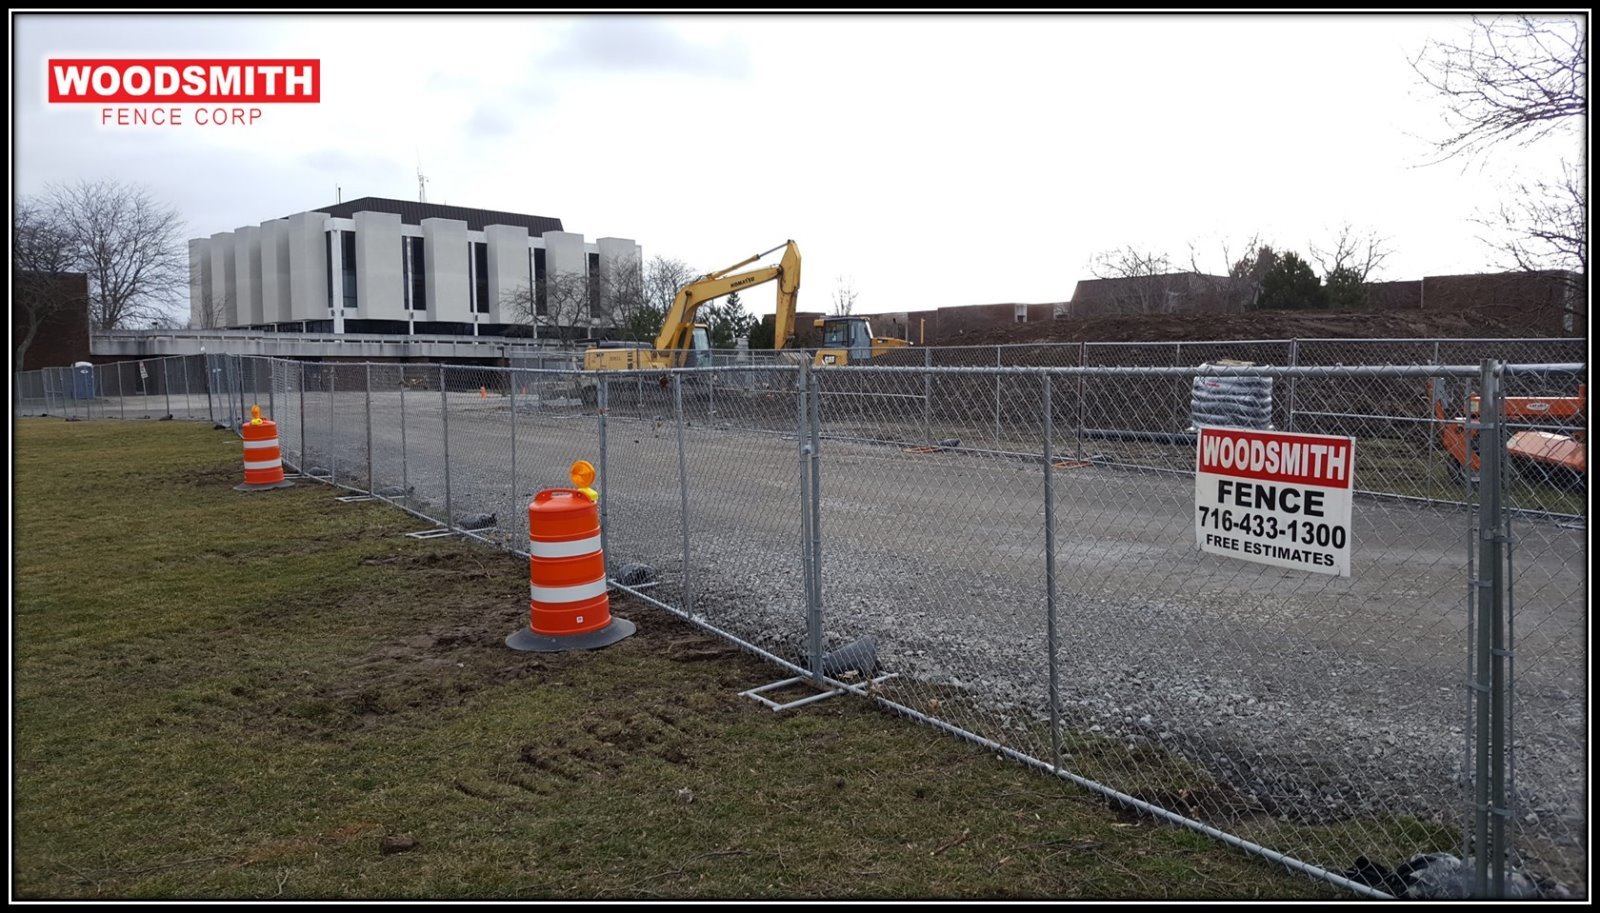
x=255 y=415
x=582 y=473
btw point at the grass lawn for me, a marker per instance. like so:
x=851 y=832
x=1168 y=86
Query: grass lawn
x=227 y=695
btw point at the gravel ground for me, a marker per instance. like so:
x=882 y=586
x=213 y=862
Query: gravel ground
x=1306 y=697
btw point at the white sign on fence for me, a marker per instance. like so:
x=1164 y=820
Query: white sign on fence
x=1274 y=498
x=143 y=374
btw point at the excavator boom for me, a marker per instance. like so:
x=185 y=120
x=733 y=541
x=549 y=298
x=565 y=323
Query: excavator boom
x=678 y=326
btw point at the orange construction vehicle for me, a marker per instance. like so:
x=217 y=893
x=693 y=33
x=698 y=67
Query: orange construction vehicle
x=1546 y=442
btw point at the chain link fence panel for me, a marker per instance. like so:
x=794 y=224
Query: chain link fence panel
x=1015 y=530
x=1546 y=640
x=1324 y=716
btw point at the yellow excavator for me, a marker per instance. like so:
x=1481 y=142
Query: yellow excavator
x=682 y=343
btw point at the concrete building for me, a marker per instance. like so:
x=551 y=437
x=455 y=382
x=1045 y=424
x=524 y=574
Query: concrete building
x=377 y=265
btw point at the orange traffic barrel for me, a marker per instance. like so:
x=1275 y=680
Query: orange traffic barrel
x=263 y=460
x=568 y=607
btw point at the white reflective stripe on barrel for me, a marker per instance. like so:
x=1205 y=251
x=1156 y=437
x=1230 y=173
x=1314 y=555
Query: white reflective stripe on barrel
x=263 y=464
x=557 y=594
x=564 y=549
x=257 y=445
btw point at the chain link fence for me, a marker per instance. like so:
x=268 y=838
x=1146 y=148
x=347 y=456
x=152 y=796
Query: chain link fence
x=1017 y=542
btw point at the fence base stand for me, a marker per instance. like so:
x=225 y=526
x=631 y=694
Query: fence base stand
x=435 y=533
x=529 y=642
x=759 y=694
x=354 y=499
x=267 y=487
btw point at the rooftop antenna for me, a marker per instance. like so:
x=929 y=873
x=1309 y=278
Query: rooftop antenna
x=338 y=193
x=422 y=182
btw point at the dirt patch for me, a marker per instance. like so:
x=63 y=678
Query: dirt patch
x=408 y=677
x=279 y=850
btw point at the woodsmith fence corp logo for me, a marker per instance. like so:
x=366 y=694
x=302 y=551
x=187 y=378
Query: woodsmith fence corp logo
x=176 y=92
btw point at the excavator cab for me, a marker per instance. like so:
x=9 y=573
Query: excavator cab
x=698 y=353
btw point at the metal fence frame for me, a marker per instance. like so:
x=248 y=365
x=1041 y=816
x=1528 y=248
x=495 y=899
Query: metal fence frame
x=444 y=491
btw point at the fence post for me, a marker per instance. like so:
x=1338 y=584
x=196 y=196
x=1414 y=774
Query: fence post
x=1294 y=361
x=122 y=406
x=1050 y=575
x=405 y=476
x=602 y=402
x=807 y=558
x=272 y=389
x=997 y=398
x=511 y=382
x=370 y=483
x=444 y=424
x=1083 y=362
x=814 y=613
x=183 y=363
x=238 y=379
x=927 y=396
x=166 y=384
x=305 y=457
x=211 y=411
x=1494 y=451
x=333 y=446
x=683 y=491
x=1490 y=694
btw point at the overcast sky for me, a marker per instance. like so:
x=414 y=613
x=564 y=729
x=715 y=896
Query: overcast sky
x=930 y=160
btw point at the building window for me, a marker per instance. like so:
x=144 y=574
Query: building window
x=416 y=274
x=327 y=264
x=541 y=295
x=594 y=285
x=480 y=263
x=347 y=247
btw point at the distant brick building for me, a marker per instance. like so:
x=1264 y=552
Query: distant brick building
x=946 y=326
x=63 y=335
x=1172 y=293
x=1552 y=302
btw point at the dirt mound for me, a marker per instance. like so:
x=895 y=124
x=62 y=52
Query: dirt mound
x=1253 y=325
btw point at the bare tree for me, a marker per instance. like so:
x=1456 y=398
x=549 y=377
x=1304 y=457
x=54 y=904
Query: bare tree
x=1510 y=79
x=1128 y=261
x=1357 y=252
x=128 y=244
x=41 y=263
x=210 y=312
x=1546 y=227
x=622 y=300
x=1142 y=281
x=844 y=297
x=1239 y=285
x=562 y=310
x=663 y=277
x=1519 y=80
